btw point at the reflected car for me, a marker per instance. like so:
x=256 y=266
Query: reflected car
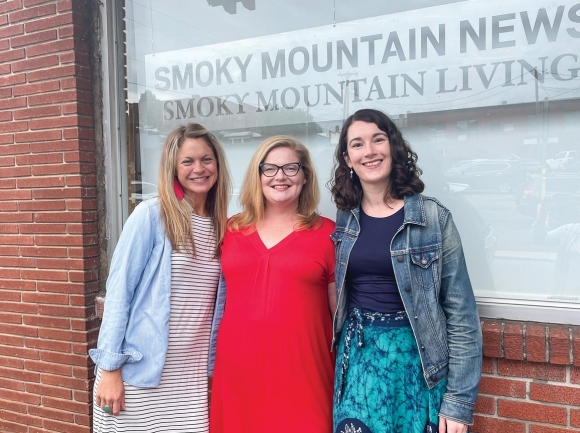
x=529 y=165
x=503 y=176
x=563 y=191
x=562 y=159
x=142 y=191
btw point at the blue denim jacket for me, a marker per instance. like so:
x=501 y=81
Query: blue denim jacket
x=433 y=282
x=135 y=329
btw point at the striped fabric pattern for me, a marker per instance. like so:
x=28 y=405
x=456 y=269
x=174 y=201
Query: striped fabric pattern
x=180 y=402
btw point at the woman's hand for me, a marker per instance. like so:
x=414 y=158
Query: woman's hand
x=450 y=426
x=111 y=391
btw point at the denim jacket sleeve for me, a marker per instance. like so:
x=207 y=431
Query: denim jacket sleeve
x=463 y=329
x=220 y=305
x=129 y=260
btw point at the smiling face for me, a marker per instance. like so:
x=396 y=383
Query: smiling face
x=282 y=189
x=368 y=153
x=197 y=169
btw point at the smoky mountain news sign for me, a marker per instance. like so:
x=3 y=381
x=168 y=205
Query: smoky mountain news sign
x=461 y=55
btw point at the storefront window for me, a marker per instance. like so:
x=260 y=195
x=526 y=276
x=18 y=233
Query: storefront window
x=487 y=92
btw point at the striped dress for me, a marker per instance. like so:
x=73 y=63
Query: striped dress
x=180 y=402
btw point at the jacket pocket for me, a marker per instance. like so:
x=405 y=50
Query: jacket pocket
x=425 y=267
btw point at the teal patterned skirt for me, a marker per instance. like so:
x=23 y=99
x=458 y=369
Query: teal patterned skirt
x=379 y=383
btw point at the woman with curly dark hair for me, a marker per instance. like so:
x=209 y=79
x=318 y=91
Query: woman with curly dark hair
x=406 y=323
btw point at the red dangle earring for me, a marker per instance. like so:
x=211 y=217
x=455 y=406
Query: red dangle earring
x=178 y=188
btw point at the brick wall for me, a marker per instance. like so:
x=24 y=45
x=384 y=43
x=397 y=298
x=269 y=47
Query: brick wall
x=531 y=379
x=49 y=252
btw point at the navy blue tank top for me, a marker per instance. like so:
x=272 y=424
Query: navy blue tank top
x=370 y=275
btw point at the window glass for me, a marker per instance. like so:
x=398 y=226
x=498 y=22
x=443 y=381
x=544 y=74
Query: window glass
x=483 y=86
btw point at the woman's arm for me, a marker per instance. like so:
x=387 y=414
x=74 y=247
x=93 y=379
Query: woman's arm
x=463 y=329
x=332 y=298
x=111 y=391
x=129 y=260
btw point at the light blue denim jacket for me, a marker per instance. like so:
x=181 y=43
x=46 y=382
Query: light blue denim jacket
x=433 y=282
x=135 y=329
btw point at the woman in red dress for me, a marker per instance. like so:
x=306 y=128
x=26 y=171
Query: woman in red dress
x=273 y=368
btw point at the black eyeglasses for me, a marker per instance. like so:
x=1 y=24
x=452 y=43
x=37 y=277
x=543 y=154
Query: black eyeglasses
x=270 y=170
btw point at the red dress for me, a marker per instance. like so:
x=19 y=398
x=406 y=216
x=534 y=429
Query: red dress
x=274 y=370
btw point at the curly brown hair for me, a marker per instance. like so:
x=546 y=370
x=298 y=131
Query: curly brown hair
x=404 y=179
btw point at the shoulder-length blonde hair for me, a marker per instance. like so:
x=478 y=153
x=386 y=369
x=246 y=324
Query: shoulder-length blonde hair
x=176 y=214
x=252 y=198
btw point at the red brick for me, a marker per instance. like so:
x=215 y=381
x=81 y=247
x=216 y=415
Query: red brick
x=41 y=182
x=10 y=6
x=83 y=276
x=11 y=427
x=83 y=419
x=14 y=126
x=65 y=217
x=44 y=111
x=15 y=385
x=17 y=284
x=485 y=405
x=82 y=180
x=18 y=262
x=7 y=161
x=576 y=346
x=76 y=107
x=535 y=428
x=27 y=137
x=55 y=122
x=46 y=322
x=50 y=413
x=19 y=374
x=12 y=55
x=35 y=89
x=10 y=318
x=575 y=375
x=39 y=158
x=536 y=343
x=5 y=116
x=19 y=307
x=21 y=418
x=532 y=412
x=10 y=104
x=58 y=193
x=35 y=63
x=66 y=32
x=51 y=47
x=64 y=335
x=532 y=370
x=67 y=382
x=47 y=74
x=53 y=97
x=69 y=264
x=79 y=157
x=11 y=340
x=19 y=352
x=483 y=424
x=12 y=80
x=33 y=38
x=9 y=273
x=84 y=252
x=65 y=168
x=47 y=367
x=66 y=405
x=43 y=252
x=8 y=31
x=64 y=287
x=50 y=345
x=8 y=183
x=42 y=205
x=63 y=311
x=45 y=298
x=15 y=171
x=30 y=13
x=8 y=228
x=555 y=393
x=65 y=428
x=49 y=22
x=70 y=240
x=42 y=228
x=9 y=296
x=559 y=338
x=56 y=146
x=13 y=406
x=37 y=274
x=14 y=217
x=18 y=330
x=5 y=69
x=16 y=194
x=575 y=417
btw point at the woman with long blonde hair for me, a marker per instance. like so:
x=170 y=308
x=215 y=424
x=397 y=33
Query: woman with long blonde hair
x=273 y=366
x=153 y=346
